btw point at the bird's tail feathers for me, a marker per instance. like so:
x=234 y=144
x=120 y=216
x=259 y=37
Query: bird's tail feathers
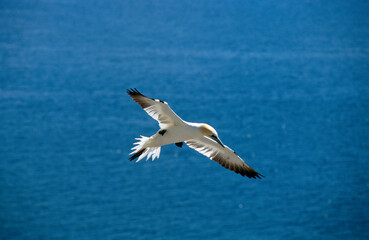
x=141 y=150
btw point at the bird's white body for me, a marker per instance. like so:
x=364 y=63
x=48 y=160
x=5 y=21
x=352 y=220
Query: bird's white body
x=175 y=134
x=199 y=136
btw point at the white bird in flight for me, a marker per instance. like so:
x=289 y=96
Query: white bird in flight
x=199 y=136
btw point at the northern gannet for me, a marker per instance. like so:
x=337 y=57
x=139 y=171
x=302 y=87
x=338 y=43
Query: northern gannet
x=199 y=136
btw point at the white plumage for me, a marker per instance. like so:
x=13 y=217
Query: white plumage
x=199 y=136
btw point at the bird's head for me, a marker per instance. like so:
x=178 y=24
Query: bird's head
x=209 y=131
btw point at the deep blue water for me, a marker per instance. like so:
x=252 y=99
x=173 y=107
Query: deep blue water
x=285 y=83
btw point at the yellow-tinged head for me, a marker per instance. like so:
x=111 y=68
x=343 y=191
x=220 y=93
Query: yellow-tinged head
x=207 y=130
x=210 y=132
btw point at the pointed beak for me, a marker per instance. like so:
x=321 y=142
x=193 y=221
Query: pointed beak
x=215 y=138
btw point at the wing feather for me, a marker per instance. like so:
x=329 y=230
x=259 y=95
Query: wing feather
x=155 y=108
x=224 y=156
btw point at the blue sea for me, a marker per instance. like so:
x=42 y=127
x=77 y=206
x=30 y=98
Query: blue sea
x=285 y=83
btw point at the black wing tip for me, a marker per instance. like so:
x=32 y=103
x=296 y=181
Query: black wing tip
x=253 y=174
x=133 y=91
x=259 y=176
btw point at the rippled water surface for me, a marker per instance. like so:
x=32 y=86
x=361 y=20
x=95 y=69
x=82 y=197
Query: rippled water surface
x=284 y=83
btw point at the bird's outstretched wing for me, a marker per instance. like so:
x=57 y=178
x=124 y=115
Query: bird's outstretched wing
x=224 y=156
x=157 y=109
